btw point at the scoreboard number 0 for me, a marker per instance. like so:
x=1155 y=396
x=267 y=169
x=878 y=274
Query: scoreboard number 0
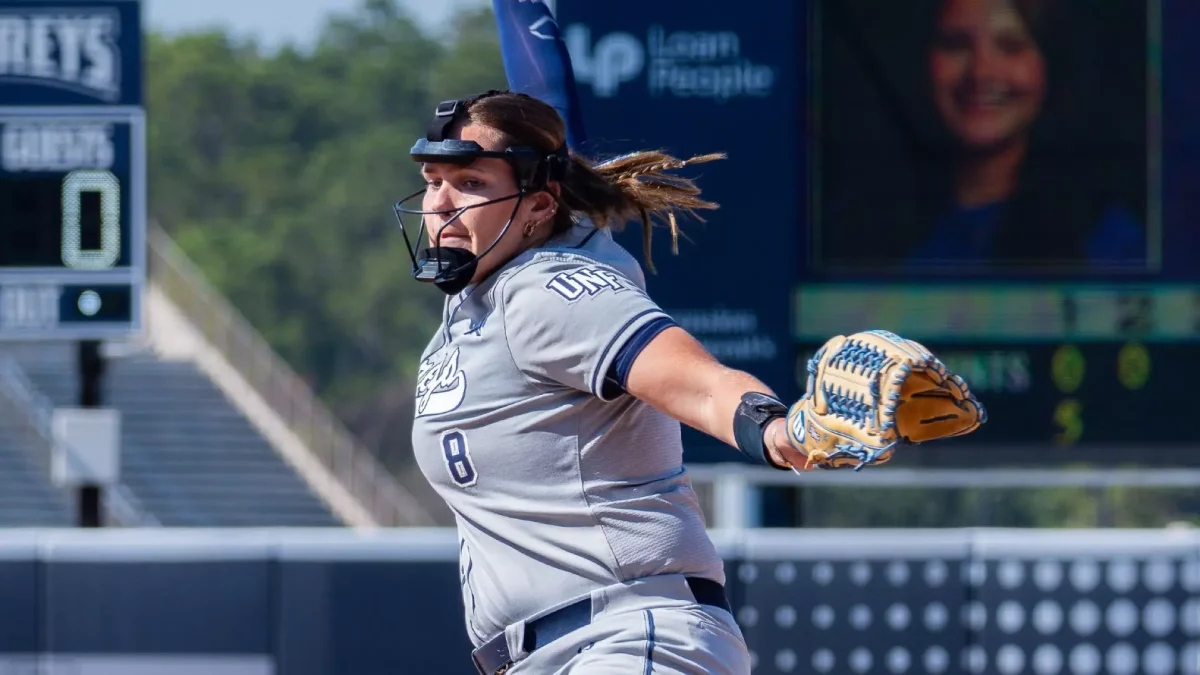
x=74 y=185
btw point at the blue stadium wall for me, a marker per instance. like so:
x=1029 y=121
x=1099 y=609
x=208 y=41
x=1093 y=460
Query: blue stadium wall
x=166 y=602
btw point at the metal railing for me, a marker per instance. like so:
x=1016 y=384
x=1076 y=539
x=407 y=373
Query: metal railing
x=36 y=411
x=227 y=330
x=731 y=493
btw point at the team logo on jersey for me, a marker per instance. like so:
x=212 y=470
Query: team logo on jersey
x=441 y=385
x=588 y=281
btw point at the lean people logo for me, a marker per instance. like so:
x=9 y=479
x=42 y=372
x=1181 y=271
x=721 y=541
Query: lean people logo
x=680 y=64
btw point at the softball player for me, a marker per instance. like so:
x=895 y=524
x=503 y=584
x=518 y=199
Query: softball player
x=549 y=403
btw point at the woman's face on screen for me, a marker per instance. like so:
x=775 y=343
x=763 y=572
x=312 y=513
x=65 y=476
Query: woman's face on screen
x=989 y=77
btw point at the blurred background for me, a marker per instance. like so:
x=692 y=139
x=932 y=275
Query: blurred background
x=209 y=334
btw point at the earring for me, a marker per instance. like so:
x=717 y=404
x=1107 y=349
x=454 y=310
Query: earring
x=530 y=227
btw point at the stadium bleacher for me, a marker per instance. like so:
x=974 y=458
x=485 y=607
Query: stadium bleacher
x=188 y=455
x=27 y=499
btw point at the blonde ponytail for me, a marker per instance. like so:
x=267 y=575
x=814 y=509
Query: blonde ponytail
x=633 y=186
x=637 y=186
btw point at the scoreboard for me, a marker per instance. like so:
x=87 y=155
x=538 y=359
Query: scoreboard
x=72 y=170
x=856 y=195
x=1069 y=373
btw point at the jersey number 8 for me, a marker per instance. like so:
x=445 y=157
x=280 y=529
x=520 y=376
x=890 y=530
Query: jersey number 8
x=458 y=458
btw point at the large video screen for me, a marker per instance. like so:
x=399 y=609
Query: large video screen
x=1011 y=182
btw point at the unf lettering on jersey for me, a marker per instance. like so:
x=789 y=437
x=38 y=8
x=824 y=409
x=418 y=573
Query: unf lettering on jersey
x=588 y=281
x=73 y=51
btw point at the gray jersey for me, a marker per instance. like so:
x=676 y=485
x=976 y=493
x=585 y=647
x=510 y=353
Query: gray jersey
x=556 y=491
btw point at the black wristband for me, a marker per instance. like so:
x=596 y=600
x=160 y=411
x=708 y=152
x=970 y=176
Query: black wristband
x=750 y=420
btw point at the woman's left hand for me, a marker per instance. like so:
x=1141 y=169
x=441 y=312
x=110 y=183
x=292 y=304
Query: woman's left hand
x=780 y=450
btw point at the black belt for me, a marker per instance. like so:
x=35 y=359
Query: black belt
x=493 y=657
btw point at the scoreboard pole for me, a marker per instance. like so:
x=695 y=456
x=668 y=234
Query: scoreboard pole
x=89 y=495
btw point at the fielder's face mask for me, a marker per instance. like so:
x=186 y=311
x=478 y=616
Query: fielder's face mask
x=449 y=268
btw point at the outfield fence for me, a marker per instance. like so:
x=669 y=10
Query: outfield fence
x=332 y=602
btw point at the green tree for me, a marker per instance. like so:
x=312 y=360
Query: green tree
x=275 y=171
